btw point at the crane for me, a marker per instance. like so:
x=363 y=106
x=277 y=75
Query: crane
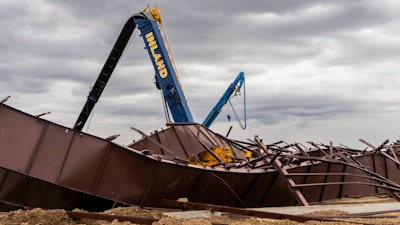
x=233 y=89
x=167 y=80
x=150 y=25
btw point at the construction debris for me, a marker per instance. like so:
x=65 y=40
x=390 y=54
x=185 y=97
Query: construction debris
x=68 y=169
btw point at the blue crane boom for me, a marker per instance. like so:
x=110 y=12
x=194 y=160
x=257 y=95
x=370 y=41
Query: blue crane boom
x=234 y=87
x=167 y=80
x=166 y=75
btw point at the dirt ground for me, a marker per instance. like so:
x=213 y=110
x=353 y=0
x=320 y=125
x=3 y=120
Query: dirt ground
x=51 y=217
x=60 y=217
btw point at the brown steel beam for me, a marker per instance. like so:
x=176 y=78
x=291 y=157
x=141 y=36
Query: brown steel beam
x=107 y=217
x=394 y=154
x=4 y=99
x=238 y=211
x=350 y=164
x=278 y=165
x=153 y=141
x=368 y=144
x=395 y=160
x=391 y=189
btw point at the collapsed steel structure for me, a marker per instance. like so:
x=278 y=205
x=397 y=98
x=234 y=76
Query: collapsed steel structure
x=43 y=164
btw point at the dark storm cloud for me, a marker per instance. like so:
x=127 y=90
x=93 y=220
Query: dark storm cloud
x=275 y=109
x=265 y=31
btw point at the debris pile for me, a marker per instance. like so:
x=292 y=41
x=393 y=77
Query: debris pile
x=69 y=169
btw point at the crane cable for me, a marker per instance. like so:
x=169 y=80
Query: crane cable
x=244 y=108
x=166 y=111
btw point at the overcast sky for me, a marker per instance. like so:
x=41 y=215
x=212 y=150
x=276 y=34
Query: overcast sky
x=315 y=70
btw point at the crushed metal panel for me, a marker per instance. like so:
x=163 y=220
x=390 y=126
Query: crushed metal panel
x=223 y=186
x=125 y=175
x=170 y=139
x=333 y=191
x=83 y=162
x=260 y=186
x=393 y=170
x=47 y=162
x=170 y=181
x=278 y=194
x=189 y=141
x=185 y=140
x=18 y=191
x=313 y=193
x=22 y=150
x=145 y=144
x=375 y=163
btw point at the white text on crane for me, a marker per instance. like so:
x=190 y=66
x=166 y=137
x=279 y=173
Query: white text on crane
x=157 y=57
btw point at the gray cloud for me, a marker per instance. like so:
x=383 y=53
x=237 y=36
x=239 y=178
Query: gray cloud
x=309 y=64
